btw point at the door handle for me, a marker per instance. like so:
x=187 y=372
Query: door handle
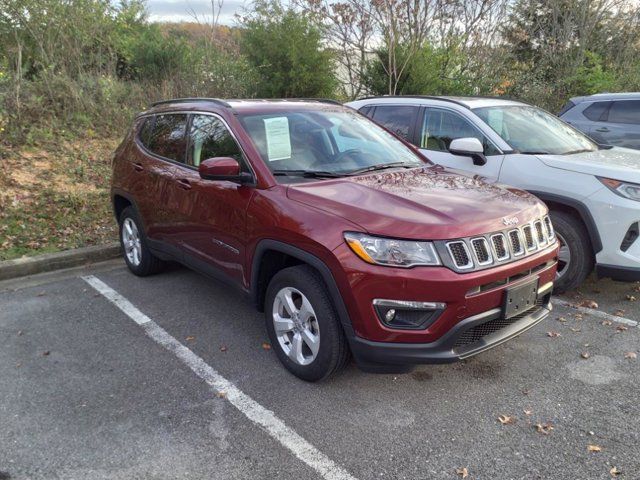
x=138 y=167
x=184 y=184
x=602 y=129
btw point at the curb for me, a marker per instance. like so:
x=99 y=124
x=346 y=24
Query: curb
x=21 y=267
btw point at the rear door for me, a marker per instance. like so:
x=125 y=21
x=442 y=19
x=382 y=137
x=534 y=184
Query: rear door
x=400 y=119
x=620 y=124
x=210 y=215
x=439 y=126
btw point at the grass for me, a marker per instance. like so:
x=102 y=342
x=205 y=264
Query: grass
x=55 y=196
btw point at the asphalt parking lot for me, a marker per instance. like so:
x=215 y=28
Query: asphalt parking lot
x=190 y=392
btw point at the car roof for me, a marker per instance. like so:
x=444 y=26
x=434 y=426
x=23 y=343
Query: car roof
x=607 y=96
x=243 y=105
x=468 y=102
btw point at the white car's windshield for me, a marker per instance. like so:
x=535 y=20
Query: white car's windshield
x=531 y=130
x=325 y=143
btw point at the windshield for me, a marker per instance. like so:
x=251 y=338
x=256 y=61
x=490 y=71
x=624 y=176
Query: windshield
x=531 y=130
x=325 y=143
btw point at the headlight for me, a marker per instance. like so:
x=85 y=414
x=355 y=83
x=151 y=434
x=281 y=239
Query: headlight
x=624 y=189
x=392 y=252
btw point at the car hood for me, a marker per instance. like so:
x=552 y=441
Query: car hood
x=618 y=163
x=425 y=203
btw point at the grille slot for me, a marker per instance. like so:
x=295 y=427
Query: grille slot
x=481 y=251
x=528 y=237
x=460 y=254
x=476 y=333
x=540 y=233
x=516 y=243
x=549 y=226
x=500 y=246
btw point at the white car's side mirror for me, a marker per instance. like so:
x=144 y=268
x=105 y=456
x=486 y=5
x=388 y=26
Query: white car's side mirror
x=469 y=147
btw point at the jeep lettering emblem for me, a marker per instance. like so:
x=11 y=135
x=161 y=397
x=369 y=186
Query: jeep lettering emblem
x=510 y=221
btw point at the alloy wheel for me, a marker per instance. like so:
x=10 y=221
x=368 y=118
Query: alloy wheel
x=296 y=326
x=131 y=242
x=564 y=257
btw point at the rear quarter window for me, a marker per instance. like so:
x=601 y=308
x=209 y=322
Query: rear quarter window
x=596 y=111
x=168 y=136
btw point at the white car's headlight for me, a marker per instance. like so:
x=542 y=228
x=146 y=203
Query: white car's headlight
x=392 y=252
x=624 y=189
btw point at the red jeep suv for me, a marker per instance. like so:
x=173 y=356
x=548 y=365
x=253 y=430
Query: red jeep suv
x=349 y=240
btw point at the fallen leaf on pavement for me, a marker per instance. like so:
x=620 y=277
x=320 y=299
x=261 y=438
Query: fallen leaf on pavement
x=463 y=472
x=553 y=334
x=562 y=319
x=606 y=323
x=621 y=328
x=527 y=412
x=578 y=316
x=574 y=330
x=221 y=395
x=506 y=419
x=631 y=355
x=594 y=448
x=544 y=428
x=20 y=333
x=589 y=304
x=614 y=471
x=223 y=348
x=266 y=346
x=585 y=355
x=45 y=353
x=619 y=313
x=190 y=338
x=631 y=298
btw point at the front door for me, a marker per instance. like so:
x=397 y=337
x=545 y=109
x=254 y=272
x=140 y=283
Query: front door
x=439 y=126
x=211 y=214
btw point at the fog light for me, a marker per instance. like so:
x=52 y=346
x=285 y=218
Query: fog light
x=402 y=314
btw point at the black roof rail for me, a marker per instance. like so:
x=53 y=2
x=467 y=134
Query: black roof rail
x=429 y=97
x=217 y=101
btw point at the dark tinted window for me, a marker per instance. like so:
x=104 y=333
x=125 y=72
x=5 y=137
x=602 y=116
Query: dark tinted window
x=625 y=111
x=366 y=110
x=168 y=136
x=210 y=138
x=440 y=127
x=566 y=108
x=145 y=131
x=398 y=119
x=595 y=110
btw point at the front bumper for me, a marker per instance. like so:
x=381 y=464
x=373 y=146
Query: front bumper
x=469 y=337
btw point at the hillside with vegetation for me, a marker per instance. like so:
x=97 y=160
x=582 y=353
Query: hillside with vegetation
x=73 y=73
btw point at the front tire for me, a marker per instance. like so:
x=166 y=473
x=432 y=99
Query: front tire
x=303 y=326
x=133 y=242
x=575 y=260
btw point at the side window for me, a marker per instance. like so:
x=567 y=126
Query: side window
x=625 y=111
x=398 y=118
x=144 y=134
x=440 y=127
x=167 y=137
x=595 y=111
x=366 y=110
x=210 y=138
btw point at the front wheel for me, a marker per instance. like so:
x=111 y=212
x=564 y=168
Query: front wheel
x=302 y=324
x=575 y=259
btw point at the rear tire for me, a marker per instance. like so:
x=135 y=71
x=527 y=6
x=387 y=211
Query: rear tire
x=575 y=246
x=135 y=249
x=297 y=301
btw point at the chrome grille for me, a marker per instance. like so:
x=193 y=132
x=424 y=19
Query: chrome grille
x=500 y=247
x=549 y=227
x=528 y=237
x=481 y=251
x=516 y=243
x=460 y=254
x=542 y=239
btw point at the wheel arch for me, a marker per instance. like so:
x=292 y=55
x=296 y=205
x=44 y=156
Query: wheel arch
x=577 y=209
x=271 y=256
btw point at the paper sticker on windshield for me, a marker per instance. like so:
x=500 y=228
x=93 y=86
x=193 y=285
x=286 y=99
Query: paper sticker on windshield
x=278 y=138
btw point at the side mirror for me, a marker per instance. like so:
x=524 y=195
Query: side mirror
x=223 y=168
x=469 y=147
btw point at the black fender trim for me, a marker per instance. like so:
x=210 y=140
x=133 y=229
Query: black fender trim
x=581 y=208
x=618 y=273
x=315 y=262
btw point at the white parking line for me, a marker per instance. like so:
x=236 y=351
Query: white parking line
x=255 y=412
x=596 y=313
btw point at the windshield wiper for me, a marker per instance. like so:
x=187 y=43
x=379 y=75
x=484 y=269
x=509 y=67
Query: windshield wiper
x=307 y=173
x=534 y=152
x=384 y=166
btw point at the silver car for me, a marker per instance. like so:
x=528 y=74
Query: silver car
x=608 y=118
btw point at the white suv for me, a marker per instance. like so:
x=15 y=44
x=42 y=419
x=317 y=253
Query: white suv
x=593 y=191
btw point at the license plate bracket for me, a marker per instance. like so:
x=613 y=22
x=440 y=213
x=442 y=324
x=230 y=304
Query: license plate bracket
x=520 y=299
